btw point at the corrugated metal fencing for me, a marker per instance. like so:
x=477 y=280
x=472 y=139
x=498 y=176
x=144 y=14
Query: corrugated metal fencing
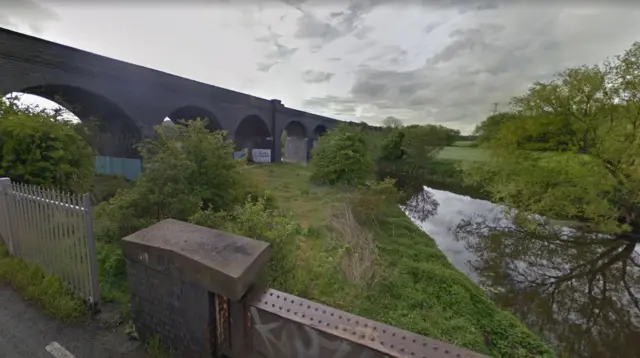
x=126 y=167
x=53 y=230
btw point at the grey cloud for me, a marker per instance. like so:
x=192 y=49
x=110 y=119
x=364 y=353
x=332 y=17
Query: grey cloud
x=265 y=66
x=333 y=105
x=309 y=27
x=30 y=12
x=335 y=59
x=387 y=56
x=311 y=76
x=496 y=55
x=429 y=28
x=467 y=40
x=276 y=50
x=321 y=32
x=362 y=32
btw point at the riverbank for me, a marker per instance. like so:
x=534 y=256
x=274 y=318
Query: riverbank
x=419 y=290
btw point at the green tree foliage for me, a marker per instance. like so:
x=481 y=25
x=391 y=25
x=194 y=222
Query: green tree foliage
x=341 y=156
x=432 y=135
x=488 y=129
x=587 y=120
x=392 y=122
x=191 y=169
x=37 y=147
x=570 y=152
x=404 y=156
x=256 y=219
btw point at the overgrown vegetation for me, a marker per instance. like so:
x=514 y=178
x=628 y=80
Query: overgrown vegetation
x=567 y=150
x=412 y=279
x=413 y=285
x=183 y=173
x=342 y=157
x=347 y=245
x=39 y=148
x=48 y=292
x=337 y=232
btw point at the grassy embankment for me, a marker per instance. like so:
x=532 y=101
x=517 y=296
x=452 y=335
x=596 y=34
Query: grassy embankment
x=419 y=291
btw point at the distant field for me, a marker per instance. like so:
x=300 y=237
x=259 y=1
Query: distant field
x=463 y=153
x=464 y=143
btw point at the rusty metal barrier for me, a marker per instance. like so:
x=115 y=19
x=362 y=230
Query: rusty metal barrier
x=286 y=326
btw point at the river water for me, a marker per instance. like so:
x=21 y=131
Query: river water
x=588 y=305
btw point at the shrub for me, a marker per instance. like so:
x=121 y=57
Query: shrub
x=341 y=156
x=190 y=169
x=406 y=156
x=106 y=187
x=37 y=148
x=112 y=275
x=370 y=200
x=255 y=220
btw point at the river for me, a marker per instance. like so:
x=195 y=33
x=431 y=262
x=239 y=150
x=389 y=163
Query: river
x=583 y=299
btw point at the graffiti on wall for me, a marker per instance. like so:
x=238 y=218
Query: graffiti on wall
x=277 y=337
x=287 y=326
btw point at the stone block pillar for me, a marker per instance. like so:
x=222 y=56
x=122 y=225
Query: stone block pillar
x=187 y=285
x=296 y=149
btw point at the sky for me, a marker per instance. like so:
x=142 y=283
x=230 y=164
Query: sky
x=432 y=61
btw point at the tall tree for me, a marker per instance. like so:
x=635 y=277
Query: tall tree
x=587 y=122
x=392 y=122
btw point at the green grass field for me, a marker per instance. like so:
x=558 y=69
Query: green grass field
x=420 y=291
x=464 y=143
x=465 y=153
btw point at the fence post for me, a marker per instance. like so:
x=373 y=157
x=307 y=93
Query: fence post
x=5 y=186
x=91 y=247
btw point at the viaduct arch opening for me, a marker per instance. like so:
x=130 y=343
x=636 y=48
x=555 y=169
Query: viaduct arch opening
x=295 y=143
x=253 y=137
x=318 y=132
x=111 y=132
x=191 y=113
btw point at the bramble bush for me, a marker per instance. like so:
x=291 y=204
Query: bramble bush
x=38 y=148
x=341 y=157
x=370 y=200
x=184 y=173
x=256 y=220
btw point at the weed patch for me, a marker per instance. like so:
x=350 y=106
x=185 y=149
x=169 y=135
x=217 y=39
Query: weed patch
x=46 y=291
x=155 y=348
x=420 y=290
x=112 y=275
x=360 y=261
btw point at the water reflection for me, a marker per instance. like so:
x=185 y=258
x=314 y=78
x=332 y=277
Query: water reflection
x=581 y=292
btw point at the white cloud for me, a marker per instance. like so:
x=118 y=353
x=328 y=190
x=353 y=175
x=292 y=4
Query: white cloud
x=359 y=60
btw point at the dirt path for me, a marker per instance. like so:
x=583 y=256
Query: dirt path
x=26 y=332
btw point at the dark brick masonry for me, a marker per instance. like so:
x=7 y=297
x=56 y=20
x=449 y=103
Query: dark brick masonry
x=130 y=100
x=165 y=305
x=185 y=283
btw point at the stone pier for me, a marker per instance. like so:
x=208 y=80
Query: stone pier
x=187 y=285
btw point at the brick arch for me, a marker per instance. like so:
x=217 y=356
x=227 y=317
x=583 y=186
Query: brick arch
x=192 y=112
x=118 y=131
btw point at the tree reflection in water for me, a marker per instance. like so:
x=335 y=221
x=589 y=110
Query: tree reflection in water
x=579 y=291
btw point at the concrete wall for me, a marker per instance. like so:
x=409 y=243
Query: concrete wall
x=296 y=149
x=186 y=283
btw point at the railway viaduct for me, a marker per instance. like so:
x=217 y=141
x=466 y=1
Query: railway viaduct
x=130 y=100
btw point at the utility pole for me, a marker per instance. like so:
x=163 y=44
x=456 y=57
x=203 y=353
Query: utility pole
x=495 y=108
